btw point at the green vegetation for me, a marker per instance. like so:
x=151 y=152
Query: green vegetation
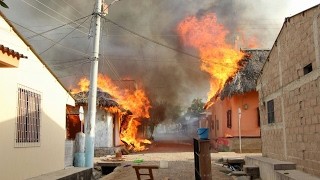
x=196 y=107
x=3 y=4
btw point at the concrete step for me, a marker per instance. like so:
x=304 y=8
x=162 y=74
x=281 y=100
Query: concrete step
x=233 y=160
x=72 y=173
x=294 y=175
x=238 y=173
x=251 y=169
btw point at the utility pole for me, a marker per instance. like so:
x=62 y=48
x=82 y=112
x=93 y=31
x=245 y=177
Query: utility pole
x=92 y=106
x=239 y=122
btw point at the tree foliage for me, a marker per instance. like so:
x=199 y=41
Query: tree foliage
x=196 y=107
x=163 y=111
x=157 y=112
x=173 y=112
x=157 y=115
x=3 y=4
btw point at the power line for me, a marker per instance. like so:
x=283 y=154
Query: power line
x=64 y=37
x=73 y=7
x=59 y=67
x=143 y=59
x=70 y=49
x=105 y=59
x=67 y=10
x=65 y=62
x=149 y=61
x=54 y=10
x=174 y=49
x=69 y=60
x=57 y=27
x=47 y=13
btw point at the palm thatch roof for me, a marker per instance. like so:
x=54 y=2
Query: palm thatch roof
x=245 y=80
x=104 y=99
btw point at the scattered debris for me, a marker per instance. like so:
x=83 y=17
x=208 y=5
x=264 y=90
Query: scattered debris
x=138 y=160
x=124 y=151
x=114 y=159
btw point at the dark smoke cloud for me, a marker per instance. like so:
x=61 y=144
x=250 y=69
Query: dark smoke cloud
x=166 y=75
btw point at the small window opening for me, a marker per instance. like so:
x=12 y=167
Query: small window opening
x=270 y=108
x=307 y=69
x=229 y=122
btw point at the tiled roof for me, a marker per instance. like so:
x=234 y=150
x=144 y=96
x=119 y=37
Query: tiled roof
x=11 y=52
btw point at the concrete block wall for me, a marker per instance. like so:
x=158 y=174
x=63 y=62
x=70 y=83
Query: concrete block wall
x=295 y=134
x=248 y=145
x=69 y=153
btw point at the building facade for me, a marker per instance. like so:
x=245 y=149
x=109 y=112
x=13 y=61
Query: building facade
x=33 y=110
x=239 y=95
x=289 y=94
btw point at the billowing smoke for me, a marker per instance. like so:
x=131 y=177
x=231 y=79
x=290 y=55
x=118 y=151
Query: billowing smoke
x=166 y=74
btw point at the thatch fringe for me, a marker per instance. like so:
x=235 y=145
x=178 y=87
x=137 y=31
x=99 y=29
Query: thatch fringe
x=245 y=80
x=103 y=99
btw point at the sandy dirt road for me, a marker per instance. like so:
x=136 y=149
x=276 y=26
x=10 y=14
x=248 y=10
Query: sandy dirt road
x=180 y=158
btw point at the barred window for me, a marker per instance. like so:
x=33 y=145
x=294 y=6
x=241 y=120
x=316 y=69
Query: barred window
x=270 y=108
x=229 y=122
x=28 y=118
x=217 y=124
x=258 y=117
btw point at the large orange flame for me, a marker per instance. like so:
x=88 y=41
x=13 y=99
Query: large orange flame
x=219 y=59
x=129 y=135
x=134 y=100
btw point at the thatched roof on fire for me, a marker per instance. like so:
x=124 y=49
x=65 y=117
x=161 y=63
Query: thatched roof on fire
x=103 y=99
x=245 y=80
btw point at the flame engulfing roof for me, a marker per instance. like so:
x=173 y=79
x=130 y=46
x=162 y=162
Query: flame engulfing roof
x=103 y=98
x=245 y=80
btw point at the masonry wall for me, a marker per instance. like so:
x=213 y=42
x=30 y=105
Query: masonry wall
x=295 y=134
x=49 y=154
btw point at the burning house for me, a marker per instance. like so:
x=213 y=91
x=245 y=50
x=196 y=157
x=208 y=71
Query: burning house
x=107 y=124
x=119 y=114
x=232 y=73
x=239 y=93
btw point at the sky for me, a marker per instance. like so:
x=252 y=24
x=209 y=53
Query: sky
x=165 y=74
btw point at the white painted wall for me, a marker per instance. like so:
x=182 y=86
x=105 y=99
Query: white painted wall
x=23 y=163
x=104 y=130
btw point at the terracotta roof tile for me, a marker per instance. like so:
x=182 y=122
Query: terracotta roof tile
x=11 y=52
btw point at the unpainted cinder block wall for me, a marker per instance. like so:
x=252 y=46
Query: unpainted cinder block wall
x=295 y=134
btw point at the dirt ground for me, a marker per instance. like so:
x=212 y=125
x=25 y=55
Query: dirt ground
x=180 y=160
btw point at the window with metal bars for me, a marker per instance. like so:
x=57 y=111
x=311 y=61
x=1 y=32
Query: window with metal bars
x=258 y=117
x=270 y=108
x=28 y=118
x=217 y=125
x=229 y=122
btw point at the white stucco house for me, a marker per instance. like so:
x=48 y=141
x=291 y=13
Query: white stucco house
x=32 y=111
x=107 y=122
